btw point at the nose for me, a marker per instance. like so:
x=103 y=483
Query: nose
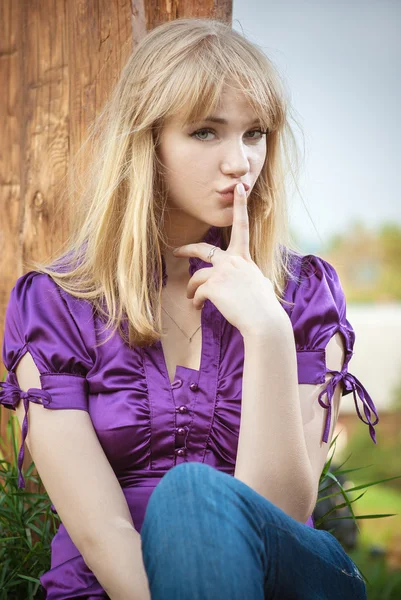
x=235 y=160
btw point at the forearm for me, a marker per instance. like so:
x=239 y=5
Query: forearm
x=272 y=457
x=116 y=561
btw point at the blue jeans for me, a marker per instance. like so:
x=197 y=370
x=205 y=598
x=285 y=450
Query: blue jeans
x=209 y=536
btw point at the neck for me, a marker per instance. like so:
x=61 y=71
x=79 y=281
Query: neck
x=177 y=269
x=176 y=236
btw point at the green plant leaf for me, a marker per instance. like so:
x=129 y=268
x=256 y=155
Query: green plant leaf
x=356 y=487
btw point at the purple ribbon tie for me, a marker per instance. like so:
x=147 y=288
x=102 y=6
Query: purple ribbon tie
x=10 y=396
x=350 y=383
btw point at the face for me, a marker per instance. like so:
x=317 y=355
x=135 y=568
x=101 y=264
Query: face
x=202 y=159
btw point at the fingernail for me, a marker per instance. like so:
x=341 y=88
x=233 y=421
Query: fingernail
x=176 y=249
x=241 y=189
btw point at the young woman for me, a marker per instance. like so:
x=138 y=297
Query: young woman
x=183 y=451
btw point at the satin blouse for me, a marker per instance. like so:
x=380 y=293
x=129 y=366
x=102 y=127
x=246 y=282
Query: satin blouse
x=144 y=423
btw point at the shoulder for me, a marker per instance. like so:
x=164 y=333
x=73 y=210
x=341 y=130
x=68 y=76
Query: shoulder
x=311 y=274
x=54 y=326
x=37 y=301
x=304 y=266
x=314 y=265
x=318 y=308
x=35 y=287
x=25 y=281
x=35 y=284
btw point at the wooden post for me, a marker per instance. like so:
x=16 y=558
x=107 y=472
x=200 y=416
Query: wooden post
x=59 y=59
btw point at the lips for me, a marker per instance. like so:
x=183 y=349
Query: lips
x=232 y=187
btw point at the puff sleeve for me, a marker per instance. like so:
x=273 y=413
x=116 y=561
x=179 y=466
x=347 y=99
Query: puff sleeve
x=39 y=321
x=319 y=312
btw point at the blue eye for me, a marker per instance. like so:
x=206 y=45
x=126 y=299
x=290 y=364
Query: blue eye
x=195 y=133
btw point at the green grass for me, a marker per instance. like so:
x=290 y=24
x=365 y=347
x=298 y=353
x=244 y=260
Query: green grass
x=378 y=499
x=383 y=584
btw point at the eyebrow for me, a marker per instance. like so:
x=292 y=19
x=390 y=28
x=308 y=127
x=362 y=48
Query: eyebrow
x=214 y=119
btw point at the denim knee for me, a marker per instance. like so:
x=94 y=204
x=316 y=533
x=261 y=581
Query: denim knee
x=187 y=473
x=207 y=486
x=182 y=480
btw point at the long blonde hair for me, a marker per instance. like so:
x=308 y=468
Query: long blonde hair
x=114 y=249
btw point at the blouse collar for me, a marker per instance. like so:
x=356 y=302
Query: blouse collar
x=213 y=237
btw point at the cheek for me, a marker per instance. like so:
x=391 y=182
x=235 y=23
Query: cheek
x=180 y=161
x=259 y=159
x=172 y=150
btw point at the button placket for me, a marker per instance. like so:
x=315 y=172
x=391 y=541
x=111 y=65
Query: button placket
x=182 y=421
x=181 y=429
x=196 y=393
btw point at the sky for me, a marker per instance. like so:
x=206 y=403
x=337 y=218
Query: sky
x=341 y=65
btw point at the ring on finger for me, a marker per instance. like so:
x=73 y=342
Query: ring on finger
x=210 y=255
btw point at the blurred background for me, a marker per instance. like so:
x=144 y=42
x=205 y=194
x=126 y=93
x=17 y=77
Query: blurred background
x=340 y=63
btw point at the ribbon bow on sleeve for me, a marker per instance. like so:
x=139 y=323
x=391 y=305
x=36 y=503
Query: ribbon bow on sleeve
x=350 y=383
x=10 y=395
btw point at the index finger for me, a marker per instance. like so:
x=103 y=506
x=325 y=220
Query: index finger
x=239 y=241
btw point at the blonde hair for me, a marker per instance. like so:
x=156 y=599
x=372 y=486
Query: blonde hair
x=113 y=256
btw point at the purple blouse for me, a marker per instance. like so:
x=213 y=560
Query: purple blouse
x=146 y=424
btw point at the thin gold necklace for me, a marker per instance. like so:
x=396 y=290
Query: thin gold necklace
x=188 y=338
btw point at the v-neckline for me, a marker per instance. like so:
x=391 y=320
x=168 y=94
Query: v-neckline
x=211 y=326
x=195 y=372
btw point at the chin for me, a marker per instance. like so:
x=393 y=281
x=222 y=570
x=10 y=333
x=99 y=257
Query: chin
x=225 y=216
x=222 y=217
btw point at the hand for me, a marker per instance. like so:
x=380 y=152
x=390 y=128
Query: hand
x=235 y=284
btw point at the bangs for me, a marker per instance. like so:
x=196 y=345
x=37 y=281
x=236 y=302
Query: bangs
x=197 y=82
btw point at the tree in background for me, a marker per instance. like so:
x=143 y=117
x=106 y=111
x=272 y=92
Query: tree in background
x=368 y=262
